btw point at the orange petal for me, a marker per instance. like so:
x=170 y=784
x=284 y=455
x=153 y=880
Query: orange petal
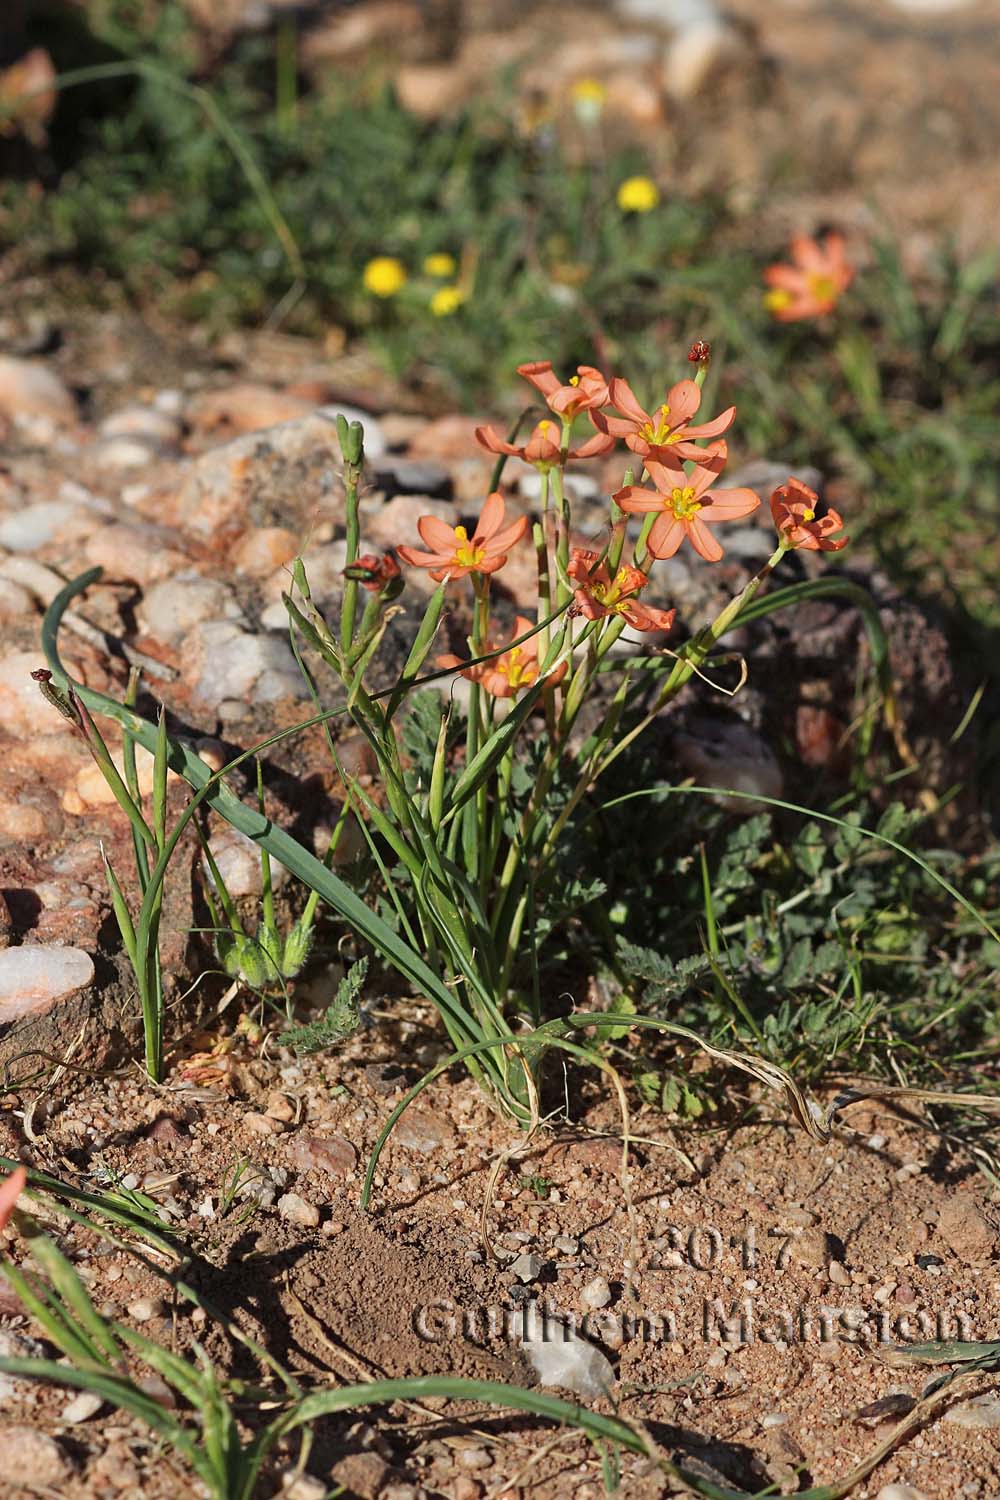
x=504 y=540
x=437 y=534
x=493 y=442
x=702 y=540
x=636 y=501
x=683 y=399
x=729 y=505
x=10 y=1190
x=539 y=373
x=624 y=400
x=491 y=518
x=665 y=536
x=420 y=559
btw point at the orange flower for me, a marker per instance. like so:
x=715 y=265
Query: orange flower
x=793 y=507
x=586 y=389
x=687 y=502
x=10 y=1190
x=598 y=595
x=455 y=554
x=811 y=286
x=666 y=434
x=504 y=676
x=372 y=572
x=542 y=448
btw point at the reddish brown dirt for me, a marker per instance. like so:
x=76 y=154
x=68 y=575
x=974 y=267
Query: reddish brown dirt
x=809 y=1254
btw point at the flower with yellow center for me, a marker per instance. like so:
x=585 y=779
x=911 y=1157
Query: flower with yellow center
x=793 y=510
x=598 y=595
x=668 y=433
x=588 y=95
x=455 y=554
x=638 y=195
x=446 y=300
x=812 y=284
x=440 y=264
x=384 y=276
x=682 y=510
x=505 y=674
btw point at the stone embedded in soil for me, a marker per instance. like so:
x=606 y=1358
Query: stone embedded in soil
x=332 y=1154
x=173 y=607
x=231 y=664
x=526 y=1268
x=422 y=1131
x=982 y=1413
x=145 y=1309
x=34 y=976
x=28 y=388
x=82 y=1407
x=596 y=1293
x=967 y=1231
x=900 y=1492
x=33 y=1460
x=560 y=1358
x=298 y=1210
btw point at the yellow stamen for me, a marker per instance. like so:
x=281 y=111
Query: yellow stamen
x=467 y=555
x=574 y=380
x=778 y=299
x=808 y=515
x=684 y=504
x=822 y=287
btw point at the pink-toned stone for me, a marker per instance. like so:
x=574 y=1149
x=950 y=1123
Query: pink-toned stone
x=23 y=711
x=34 y=976
x=28 y=388
x=134 y=551
x=332 y=1154
x=246 y=408
x=447 y=438
x=263 y=549
x=430 y=90
x=23 y=822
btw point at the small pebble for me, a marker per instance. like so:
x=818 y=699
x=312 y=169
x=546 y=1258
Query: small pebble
x=295 y=1486
x=298 y=1210
x=82 y=1407
x=596 y=1293
x=33 y=1460
x=145 y=1308
x=526 y=1267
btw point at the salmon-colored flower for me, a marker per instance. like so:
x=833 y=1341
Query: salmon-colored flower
x=584 y=391
x=372 y=572
x=687 y=503
x=793 y=508
x=504 y=676
x=542 y=448
x=598 y=595
x=813 y=284
x=454 y=553
x=665 y=434
x=10 y=1190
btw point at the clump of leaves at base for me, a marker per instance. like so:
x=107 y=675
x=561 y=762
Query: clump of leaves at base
x=342 y=1017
